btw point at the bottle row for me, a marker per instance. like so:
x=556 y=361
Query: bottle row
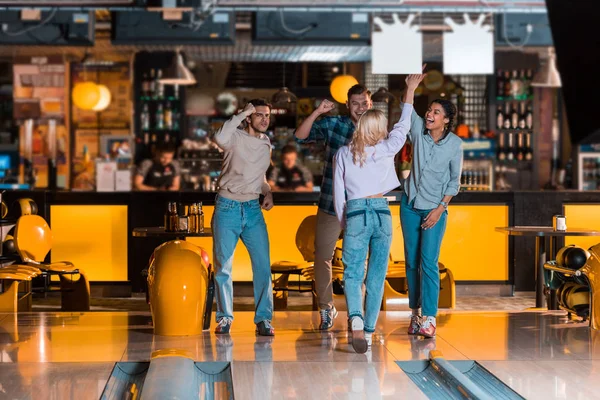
x=187 y=218
x=475 y=179
x=513 y=118
x=515 y=84
x=154 y=138
x=591 y=170
x=509 y=151
x=165 y=118
x=153 y=89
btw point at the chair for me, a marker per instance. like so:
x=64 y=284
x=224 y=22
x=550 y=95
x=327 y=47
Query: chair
x=33 y=240
x=305 y=242
x=396 y=285
x=11 y=300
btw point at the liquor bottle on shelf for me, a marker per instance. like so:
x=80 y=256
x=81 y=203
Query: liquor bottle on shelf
x=520 y=149
x=501 y=147
x=476 y=134
x=171 y=217
x=168 y=116
x=500 y=85
x=510 y=153
x=529 y=78
x=175 y=118
x=145 y=118
x=524 y=93
x=507 y=86
x=499 y=117
x=145 y=87
x=515 y=85
x=507 y=116
x=528 y=149
x=160 y=117
x=152 y=85
x=522 y=116
x=176 y=92
x=529 y=117
x=514 y=116
x=160 y=88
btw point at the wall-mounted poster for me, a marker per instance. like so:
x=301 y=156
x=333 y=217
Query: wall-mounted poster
x=39 y=94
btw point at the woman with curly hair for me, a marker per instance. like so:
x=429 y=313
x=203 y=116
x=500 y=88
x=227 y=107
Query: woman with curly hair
x=363 y=172
x=434 y=179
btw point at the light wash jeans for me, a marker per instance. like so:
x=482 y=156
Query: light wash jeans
x=421 y=253
x=231 y=221
x=368 y=230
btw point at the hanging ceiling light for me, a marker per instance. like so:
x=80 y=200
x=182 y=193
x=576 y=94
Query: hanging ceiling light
x=178 y=73
x=104 y=100
x=283 y=97
x=382 y=95
x=547 y=76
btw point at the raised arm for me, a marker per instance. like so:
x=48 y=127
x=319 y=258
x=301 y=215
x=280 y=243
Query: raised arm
x=412 y=82
x=308 y=130
x=224 y=135
x=393 y=144
x=339 y=188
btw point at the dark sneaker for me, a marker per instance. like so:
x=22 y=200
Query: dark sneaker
x=327 y=317
x=223 y=326
x=359 y=342
x=264 y=328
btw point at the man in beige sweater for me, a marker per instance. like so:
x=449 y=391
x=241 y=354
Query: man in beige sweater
x=238 y=212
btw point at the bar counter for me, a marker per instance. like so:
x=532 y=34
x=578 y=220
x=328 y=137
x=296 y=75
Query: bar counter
x=94 y=231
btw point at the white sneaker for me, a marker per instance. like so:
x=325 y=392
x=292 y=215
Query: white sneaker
x=369 y=338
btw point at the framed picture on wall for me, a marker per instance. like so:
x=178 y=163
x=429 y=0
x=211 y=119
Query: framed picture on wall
x=116 y=146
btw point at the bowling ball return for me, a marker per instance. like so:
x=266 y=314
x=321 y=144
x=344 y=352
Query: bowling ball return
x=180 y=283
x=575 y=275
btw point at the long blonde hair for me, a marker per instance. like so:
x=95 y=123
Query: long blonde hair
x=370 y=130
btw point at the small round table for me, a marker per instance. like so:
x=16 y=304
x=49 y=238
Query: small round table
x=159 y=231
x=541 y=233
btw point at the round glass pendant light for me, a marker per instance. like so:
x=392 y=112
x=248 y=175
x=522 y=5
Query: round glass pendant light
x=339 y=87
x=104 y=100
x=86 y=95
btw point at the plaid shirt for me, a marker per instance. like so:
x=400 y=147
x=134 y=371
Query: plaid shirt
x=335 y=132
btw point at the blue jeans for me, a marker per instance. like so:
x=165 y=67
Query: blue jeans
x=368 y=229
x=231 y=221
x=421 y=253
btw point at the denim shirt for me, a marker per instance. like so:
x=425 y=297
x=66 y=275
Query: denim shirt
x=436 y=167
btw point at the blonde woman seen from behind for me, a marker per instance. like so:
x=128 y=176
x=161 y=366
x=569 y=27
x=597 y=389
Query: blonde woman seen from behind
x=363 y=172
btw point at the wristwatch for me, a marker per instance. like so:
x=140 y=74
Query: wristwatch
x=444 y=204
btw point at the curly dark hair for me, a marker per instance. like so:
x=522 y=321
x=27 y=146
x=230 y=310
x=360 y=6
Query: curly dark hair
x=260 y=102
x=450 y=111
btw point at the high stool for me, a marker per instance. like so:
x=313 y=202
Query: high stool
x=281 y=270
x=396 y=285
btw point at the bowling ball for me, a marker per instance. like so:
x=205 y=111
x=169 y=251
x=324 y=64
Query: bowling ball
x=8 y=246
x=24 y=206
x=560 y=256
x=576 y=257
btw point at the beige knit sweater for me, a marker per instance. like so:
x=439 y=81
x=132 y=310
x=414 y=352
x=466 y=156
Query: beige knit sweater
x=245 y=163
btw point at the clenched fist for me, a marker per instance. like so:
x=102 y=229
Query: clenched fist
x=325 y=107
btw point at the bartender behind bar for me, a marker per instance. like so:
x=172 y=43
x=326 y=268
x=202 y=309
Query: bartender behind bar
x=160 y=173
x=291 y=176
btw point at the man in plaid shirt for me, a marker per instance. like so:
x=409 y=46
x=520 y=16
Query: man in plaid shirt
x=335 y=132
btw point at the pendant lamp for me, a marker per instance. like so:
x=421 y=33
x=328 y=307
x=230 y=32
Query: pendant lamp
x=177 y=73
